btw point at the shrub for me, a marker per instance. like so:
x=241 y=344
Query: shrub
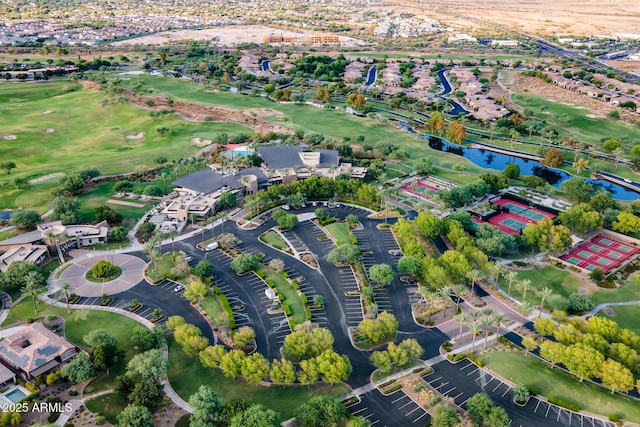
x=286 y=309
x=224 y=302
x=563 y=404
x=579 y=303
x=100 y=420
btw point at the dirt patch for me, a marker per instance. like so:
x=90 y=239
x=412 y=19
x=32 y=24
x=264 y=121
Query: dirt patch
x=87 y=85
x=47 y=112
x=139 y=135
x=199 y=142
x=200 y=113
x=609 y=311
x=9 y=137
x=46 y=177
x=123 y=203
x=49 y=130
x=262 y=113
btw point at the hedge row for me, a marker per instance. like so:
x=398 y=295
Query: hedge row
x=226 y=307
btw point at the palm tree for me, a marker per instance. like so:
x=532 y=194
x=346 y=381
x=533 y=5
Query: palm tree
x=66 y=287
x=488 y=323
x=429 y=297
x=445 y=295
x=510 y=275
x=153 y=254
x=173 y=233
x=202 y=224
x=474 y=275
x=476 y=328
x=544 y=294
x=252 y=205
x=499 y=317
x=475 y=314
x=525 y=308
x=461 y=318
x=163 y=177
x=525 y=285
x=221 y=215
x=497 y=268
x=31 y=282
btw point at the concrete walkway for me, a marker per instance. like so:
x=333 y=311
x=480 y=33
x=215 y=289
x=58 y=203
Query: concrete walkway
x=165 y=350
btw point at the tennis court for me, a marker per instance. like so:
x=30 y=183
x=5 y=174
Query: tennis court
x=526 y=212
x=602 y=252
x=513 y=223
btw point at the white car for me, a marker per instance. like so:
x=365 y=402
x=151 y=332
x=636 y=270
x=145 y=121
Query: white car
x=627 y=180
x=314 y=204
x=286 y=207
x=178 y=288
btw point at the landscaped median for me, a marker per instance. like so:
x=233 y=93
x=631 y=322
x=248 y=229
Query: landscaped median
x=292 y=299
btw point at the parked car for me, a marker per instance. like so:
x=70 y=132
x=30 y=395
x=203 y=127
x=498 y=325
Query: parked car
x=211 y=246
x=286 y=207
x=178 y=288
x=314 y=204
x=188 y=258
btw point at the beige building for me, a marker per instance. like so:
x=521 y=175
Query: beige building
x=33 y=350
x=33 y=253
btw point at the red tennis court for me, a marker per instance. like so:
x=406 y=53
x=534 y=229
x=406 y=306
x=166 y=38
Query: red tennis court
x=601 y=251
x=523 y=210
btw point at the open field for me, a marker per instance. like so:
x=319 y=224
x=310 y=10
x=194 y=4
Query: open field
x=582 y=123
x=532 y=372
x=625 y=316
x=74 y=145
x=186 y=374
x=564 y=283
x=574 y=17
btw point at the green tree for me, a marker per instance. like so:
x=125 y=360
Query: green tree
x=581 y=218
x=282 y=372
x=358 y=422
x=429 y=225
x=244 y=262
x=149 y=365
x=287 y=221
x=479 y=406
x=211 y=356
x=611 y=145
x=256 y=416
x=577 y=190
x=382 y=273
x=552 y=351
x=410 y=264
x=26 y=220
x=307 y=342
x=445 y=416
x=30 y=287
x=79 y=369
x=226 y=200
x=511 y=171
x=255 y=368
x=436 y=123
x=231 y=363
x=321 y=411
x=144 y=338
x=332 y=367
x=243 y=336
x=615 y=376
x=195 y=291
x=627 y=223
x=349 y=254
x=8 y=165
x=135 y=416
x=583 y=361
x=206 y=406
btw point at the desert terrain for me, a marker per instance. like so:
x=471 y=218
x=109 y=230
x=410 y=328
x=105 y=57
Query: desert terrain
x=542 y=17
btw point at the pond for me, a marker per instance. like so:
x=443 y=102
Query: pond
x=498 y=161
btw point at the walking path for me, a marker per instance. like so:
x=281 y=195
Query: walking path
x=165 y=350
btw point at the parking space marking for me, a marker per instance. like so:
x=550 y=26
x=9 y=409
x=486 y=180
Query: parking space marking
x=446 y=393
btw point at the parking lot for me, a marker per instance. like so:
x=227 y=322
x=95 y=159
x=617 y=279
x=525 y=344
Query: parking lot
x=462 y=380
x=396 y=409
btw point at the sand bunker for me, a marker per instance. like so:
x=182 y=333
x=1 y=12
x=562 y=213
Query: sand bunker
x=263 y=112
x=46 y=177
x=136 y=136
x=9 y=137
x=123 y=203
x=592 y=116
x=49 y=130
x=199 y=142
x=47 y=112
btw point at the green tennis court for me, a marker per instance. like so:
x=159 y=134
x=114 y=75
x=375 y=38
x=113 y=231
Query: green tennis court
x=604 y=261
x=614 y=255
x=606 y=242
x=624 y=248
x=513 y=208
x=585 y=254
x=573 y=261
x=596 y=248
x=513 y=224
x=589 y=267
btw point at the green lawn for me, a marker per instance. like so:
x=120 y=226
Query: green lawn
x=630 y=291
x=186 y=374
x=98 y=195
x=165 y=264
x=74 y=145
x=532 y=372
x=211 y=305
x=562 y=282
x=272 y=238
x=340 y=232
x=626 y=317
x=580 y=125
x=289 y=294
x=109 y=405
